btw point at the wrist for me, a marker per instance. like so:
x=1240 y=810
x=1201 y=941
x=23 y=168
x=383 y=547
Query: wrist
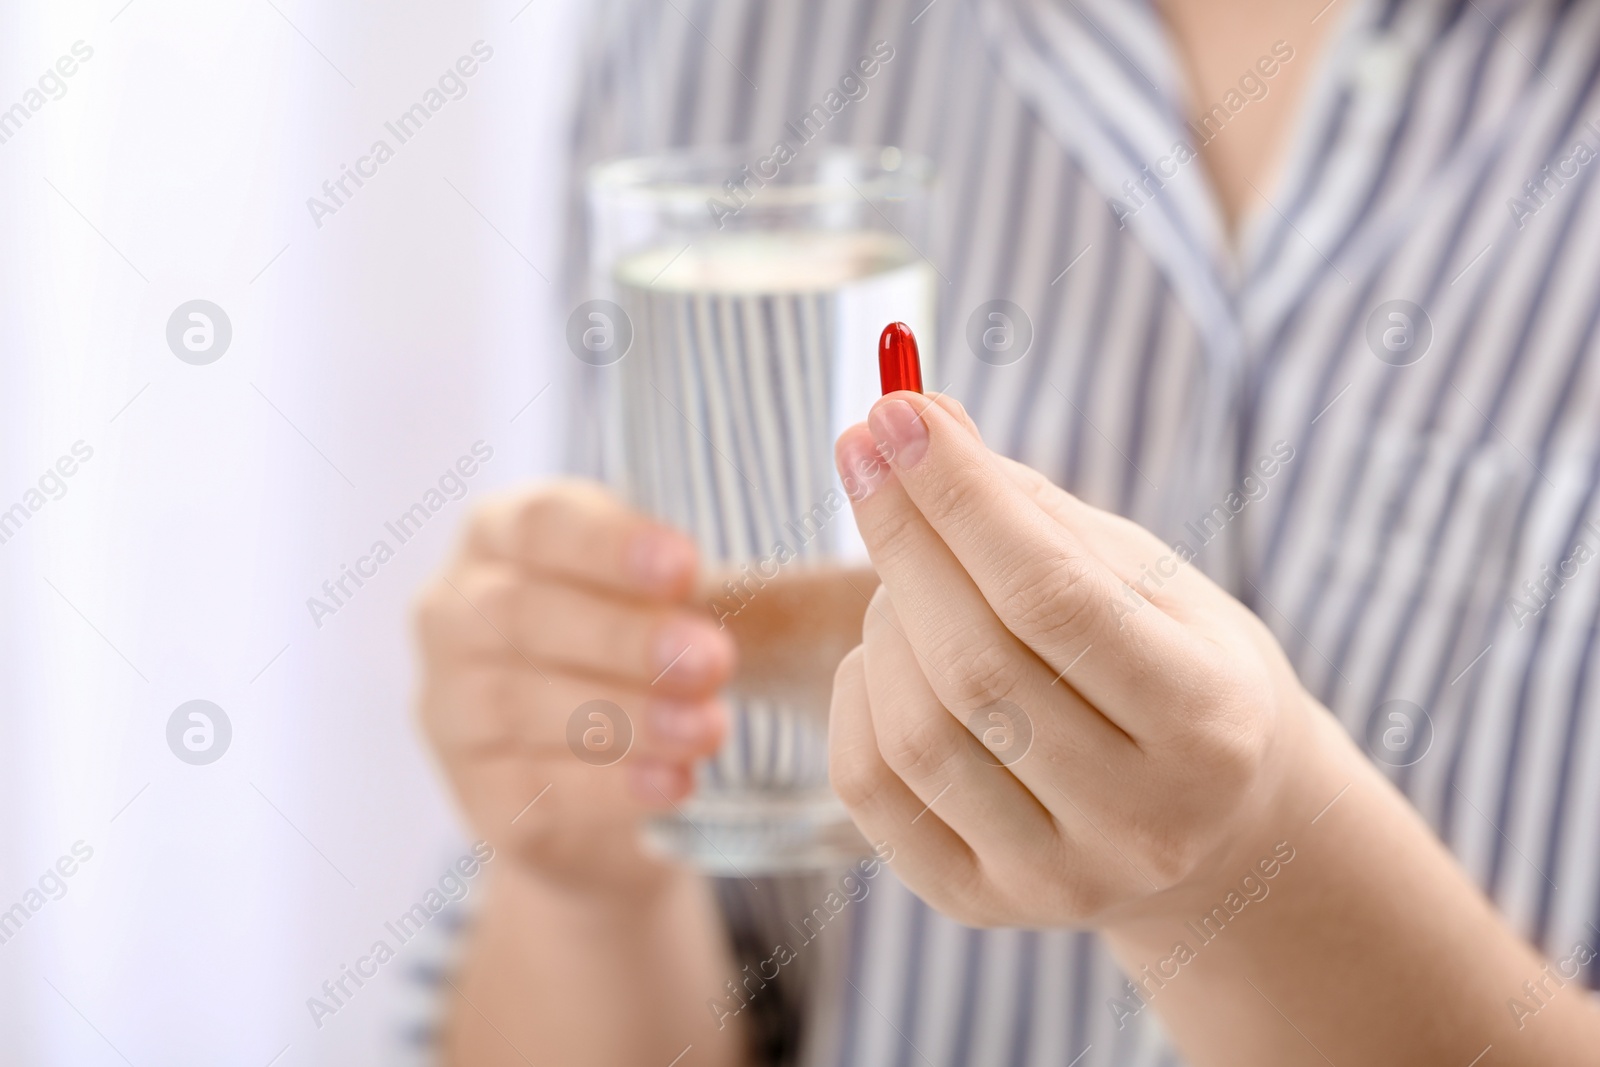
x=635 y=888
x=1307 y=768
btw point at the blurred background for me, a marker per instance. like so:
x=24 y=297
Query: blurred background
x=348 y=353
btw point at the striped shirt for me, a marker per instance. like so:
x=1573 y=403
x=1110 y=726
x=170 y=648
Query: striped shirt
x=1409 y=317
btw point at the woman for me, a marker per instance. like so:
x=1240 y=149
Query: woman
x=1368 y=231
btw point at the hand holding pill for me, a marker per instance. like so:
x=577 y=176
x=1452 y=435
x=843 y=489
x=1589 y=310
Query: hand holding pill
x=1166 y=736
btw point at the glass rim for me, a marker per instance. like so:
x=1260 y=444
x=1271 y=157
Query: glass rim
x=694 y=175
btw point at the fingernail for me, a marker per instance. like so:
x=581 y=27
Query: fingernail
x=690 y=652
x=861 y=468
x=678 y=722
x=657 y=784
x=900 y=432
x=658 y=559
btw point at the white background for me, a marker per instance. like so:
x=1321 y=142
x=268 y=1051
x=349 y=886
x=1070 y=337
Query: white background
x=367 y=355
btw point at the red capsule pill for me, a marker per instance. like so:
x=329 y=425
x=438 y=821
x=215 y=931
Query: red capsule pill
x=898 y=364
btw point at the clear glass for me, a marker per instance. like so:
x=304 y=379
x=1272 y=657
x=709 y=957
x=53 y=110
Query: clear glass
x=752 y=291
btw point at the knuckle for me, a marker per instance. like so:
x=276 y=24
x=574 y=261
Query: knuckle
x=522 y=522
x=848 y=672
x=469 y=709
x=541 y=514
x=855 y=781
x=1091 y=896
x=976 y=899
x=1234 y=753
x=1168 y=851
x=895 y=535
x=963 y=499
x=920 y=749
x=853 y=773
x=1069 y=894
x=1062 y=607
x=497 y=598
x=956 y=888
x=485 y=604
x=1030 y=602
x=1228 y=734
x=980 y=673
x=435 y=613
x=491 y=694
x=481 y=515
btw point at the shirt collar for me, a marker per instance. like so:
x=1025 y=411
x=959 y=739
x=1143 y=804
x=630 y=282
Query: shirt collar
x=1100 y=74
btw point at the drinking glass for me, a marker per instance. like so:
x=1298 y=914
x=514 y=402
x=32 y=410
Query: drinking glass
x=751 y=292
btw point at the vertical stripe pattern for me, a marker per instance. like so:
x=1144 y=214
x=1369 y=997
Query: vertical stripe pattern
x=1432 y=549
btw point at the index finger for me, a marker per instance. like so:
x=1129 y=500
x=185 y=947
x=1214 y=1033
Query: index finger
x=1043 y=583
x=580 y=532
